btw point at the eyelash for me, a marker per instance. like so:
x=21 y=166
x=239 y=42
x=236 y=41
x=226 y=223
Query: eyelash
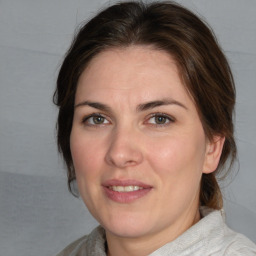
x=168 y=118
x=95 y=115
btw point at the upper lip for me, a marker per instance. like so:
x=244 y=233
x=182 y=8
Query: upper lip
x=116 y=182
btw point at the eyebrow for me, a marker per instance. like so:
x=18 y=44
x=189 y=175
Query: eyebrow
x=96 y=105
x=157 y=103
x=139 y=108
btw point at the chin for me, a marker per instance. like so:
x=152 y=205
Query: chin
x=129 y=227
x=128 y=232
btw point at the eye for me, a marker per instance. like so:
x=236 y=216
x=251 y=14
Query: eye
x=160 y=119
x=95 y=119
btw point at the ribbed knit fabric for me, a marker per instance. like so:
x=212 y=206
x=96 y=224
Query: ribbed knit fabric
x=208 y=237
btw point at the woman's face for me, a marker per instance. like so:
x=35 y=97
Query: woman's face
x=138 y=145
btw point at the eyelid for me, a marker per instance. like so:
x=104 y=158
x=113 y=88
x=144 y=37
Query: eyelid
x=160 y=114
x=87 y=117
x=170 y=118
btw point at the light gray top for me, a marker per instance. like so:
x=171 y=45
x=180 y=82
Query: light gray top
x=208 y=237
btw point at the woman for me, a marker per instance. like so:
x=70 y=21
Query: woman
x=146 y=100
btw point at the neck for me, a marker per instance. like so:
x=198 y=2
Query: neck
x=142 y=246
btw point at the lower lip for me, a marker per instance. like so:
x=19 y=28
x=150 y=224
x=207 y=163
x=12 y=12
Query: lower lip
x=126 y=197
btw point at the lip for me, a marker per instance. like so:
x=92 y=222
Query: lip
x=125 y=197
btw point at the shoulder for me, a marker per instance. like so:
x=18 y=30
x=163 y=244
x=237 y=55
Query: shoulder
x=92 y=244
x=73 y=246
x=221 y=240
x=236 y=244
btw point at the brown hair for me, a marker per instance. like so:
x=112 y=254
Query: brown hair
x=165 y=26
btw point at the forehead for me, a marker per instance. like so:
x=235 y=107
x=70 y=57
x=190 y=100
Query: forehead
x=135 y=71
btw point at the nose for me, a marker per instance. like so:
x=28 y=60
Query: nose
x=124 y=149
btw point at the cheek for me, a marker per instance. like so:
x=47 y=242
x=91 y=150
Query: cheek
x=178 y=155
x=177 y=164
x=85 y=154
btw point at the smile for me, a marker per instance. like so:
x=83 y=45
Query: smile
x=125 y=191
x=125 y=188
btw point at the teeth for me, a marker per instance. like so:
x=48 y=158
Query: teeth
x=125 y=188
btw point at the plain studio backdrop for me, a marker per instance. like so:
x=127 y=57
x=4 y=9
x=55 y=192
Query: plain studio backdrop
x=38 y=216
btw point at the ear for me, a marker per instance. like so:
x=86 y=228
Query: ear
x=213 y=154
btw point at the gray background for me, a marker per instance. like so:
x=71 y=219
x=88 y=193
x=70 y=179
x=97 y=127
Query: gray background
x=37 y=214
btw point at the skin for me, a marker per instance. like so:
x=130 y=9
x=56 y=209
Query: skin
x=168 y=152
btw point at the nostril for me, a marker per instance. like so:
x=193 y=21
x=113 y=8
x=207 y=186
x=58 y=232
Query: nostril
x=124 y=157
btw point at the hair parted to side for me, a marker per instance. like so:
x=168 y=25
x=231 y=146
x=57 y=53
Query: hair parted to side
x=203 y=68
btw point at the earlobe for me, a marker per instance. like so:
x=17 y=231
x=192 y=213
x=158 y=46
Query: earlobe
x=213 y=154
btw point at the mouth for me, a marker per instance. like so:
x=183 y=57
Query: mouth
x=125 y=191
x=125 y=188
